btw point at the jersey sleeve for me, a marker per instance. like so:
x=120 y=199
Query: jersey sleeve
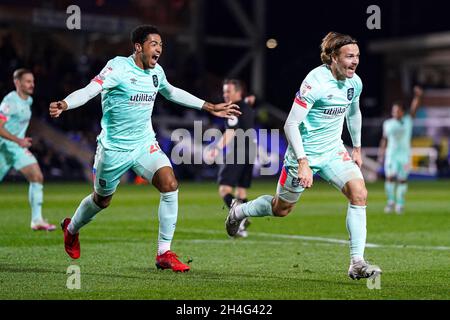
x=385 y=129
x=304 y=100
x=308 y=94
x=110 y=76
x=354 y=123
x=358 y=89
x=5 y=110
x=165 y=87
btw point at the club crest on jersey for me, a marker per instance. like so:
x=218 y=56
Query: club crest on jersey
x=350 y=93
x=155 y=80
x=102 y=182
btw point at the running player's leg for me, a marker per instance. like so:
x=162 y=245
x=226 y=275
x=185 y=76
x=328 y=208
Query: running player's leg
x=342 y=172
x=26 y=163
x=402 y=185
x=109 y=166
x=226 y=193
x=241 y=194
x=288 y=193
x=356 y=192
x=35 y=178
x=389 y=184
x=153 y=165
x=164 y=180
x=227 y=178
x=5 y=165
x=243 y=183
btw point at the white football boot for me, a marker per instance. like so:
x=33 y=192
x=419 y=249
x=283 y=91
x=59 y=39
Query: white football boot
x=232 y=224
x=362 y=269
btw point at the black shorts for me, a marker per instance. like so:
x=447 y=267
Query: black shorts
x=236 y=175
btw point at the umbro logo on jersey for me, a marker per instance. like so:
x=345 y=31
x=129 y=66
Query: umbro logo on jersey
x=330 y=96
x=133 y=80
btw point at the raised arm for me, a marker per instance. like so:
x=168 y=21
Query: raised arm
x=415 y=103
x=382 y=149
x=75 y=99
x=110 y=76
x=184 y=98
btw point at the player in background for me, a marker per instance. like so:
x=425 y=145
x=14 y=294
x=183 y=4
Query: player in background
x=329 y=94
x=234 y=174
x=129 y=86
x=15 y=115
x=395 y=149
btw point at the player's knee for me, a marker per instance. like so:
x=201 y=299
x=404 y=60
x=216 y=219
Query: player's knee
x=224 y=190
x=281 y=212
x=359 y=196
x=102 y=202
x=169 y=186
x=37 y=177
x=390 y=179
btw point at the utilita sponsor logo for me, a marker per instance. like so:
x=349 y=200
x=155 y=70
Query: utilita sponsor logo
x=335 y=111
x=143 y=97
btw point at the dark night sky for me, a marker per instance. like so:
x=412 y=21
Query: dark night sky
x=299 y=27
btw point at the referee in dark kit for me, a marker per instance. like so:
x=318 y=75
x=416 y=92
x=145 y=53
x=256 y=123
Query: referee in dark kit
x=240 y=142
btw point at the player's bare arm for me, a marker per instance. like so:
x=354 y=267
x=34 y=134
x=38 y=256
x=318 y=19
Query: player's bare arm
x=418 y=93
x=382 y=149
x=223 y=110
x=75 y=99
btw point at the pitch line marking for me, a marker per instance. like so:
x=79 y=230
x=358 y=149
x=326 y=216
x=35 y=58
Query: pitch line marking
x=323 y=239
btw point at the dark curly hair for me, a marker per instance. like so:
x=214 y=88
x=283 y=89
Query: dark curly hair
x=140 y=33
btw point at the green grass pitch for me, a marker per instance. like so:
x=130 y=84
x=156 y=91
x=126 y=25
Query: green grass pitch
x=302 y=256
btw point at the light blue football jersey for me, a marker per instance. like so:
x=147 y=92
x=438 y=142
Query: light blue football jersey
x=128 y=96
x=398 y=134
x=17 y=114
x=330 y=99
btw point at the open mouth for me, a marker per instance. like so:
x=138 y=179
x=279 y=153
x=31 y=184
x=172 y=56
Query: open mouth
x=155 y=58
